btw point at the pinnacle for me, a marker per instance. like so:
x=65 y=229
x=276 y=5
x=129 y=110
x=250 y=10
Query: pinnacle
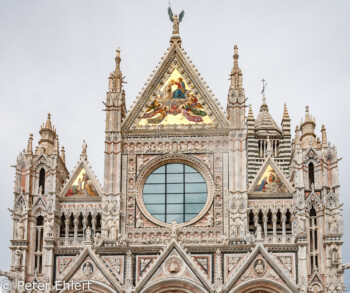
x=285 y=113
x=48 y=121
x=250 y=113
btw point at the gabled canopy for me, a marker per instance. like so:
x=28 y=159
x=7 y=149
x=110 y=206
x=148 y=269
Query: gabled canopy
x=271 y=181
x=175 y=97
x=82 y=182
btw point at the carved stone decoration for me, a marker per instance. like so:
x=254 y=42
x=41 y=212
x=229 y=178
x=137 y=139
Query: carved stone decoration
x=259 y=267
x=272 y=275
x=231 y=263
x=247 y=276
x=63 y=264
x=88 y=269
x=287 y=262
x=173 y=265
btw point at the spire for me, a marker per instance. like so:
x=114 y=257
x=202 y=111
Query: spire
x=308 y=126
x=116 y=77
x=56 y=145
x=63 y=155
x=236 y=73
x=324 y=136
x=264 y=123
x=30 y=145
x=48 y=135
x=285 y=121
x=250 y=120
x=297 y=135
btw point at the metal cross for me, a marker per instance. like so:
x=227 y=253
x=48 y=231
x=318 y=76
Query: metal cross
x=264 y=86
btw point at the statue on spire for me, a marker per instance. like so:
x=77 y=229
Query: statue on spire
x=175 y=19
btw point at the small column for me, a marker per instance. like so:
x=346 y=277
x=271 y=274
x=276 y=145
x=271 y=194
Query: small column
x=265 y=224
x=93 y=223
x=284 y=219
x=274 y=225
x=76 y=225
x=66 y=222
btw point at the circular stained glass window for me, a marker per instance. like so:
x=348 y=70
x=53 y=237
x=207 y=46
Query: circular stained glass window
x=175 y=191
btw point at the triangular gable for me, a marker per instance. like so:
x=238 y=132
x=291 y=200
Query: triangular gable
x=313 y=200
x=172 y=264
x=88 y=266
x=175 y=96
x=270 y=180
x=82 y=182
x=311 y=154
x=260 y=265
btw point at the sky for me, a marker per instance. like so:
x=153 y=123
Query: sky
x=56 y=56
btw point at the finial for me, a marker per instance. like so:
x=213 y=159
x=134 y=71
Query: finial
x=250 y=113
x=175 y=19
x=30 y=145
x=297 y=135
x=48 y=121
x=263 y=89
x=285 y=112
x=63 y=154
x=83 y=155
x=235 y=55
x=324 y=136
x=117 y=60
x=236 y=73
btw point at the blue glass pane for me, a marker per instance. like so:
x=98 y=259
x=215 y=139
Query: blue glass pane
x=175 y=168
x=189 y=217
x=196 y=198
x=193 y=177
x=196 y=187
x=193 y=208
x=154 y=188
x=154 y=198
x=175 y=191
x=189 y=169
x=175 y=188
x=159 y=170
x=160 y=217
x=175 y=208
x=178 y=218
x=175 y=198
x=155 y=178
x=156 y=208
x=174 y=178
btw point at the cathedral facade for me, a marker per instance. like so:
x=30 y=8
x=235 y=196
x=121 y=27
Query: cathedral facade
x=194 y=199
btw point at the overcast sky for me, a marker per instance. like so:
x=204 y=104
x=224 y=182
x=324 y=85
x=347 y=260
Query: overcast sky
x=56 y=56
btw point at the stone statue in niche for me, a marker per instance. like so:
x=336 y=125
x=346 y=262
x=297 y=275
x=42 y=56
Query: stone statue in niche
x=97 y=240
x=113 y=231
x=88 y=234
x=20 y=229
x=333 y=224
x=18 y=258
x=258 y=232
x=139 y=221
x=173 y=228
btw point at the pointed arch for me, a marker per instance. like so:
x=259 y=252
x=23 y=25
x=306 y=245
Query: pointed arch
x=261 y=286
